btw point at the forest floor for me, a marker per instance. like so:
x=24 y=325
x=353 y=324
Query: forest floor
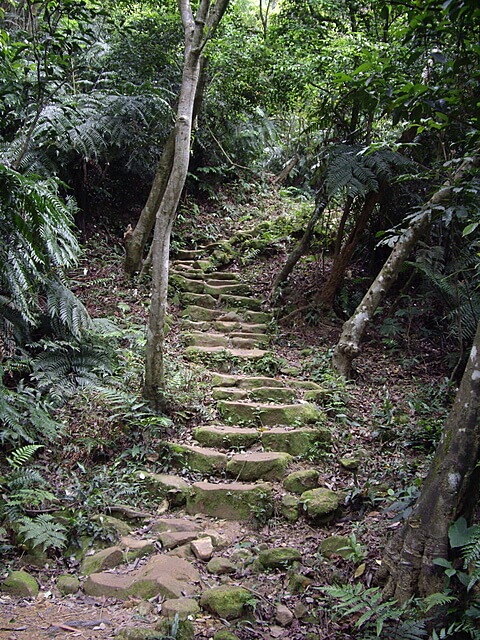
x=388 y=417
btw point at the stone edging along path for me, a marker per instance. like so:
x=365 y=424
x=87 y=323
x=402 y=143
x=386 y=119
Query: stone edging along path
x=249 y=459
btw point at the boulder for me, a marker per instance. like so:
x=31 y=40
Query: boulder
x=320 y=504
x=20 y=583
x=181 y=607
x=279 y=557
x=68 y=584
x=301 y=481
x=226 y=602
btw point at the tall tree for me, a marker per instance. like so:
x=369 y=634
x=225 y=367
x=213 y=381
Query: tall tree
x=198 y=30
x=450 y=491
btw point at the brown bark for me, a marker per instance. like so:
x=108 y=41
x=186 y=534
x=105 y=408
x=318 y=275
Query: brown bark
x=450 y=491
x=197 y=30
x=348 y=346
x=342 y=260
x=303 y=244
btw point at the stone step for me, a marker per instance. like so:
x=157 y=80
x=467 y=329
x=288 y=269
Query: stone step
x=242 y=354
x=248 y=340
x=204 y=339
x=231 y=501
x=244 y=302
x=265 y=394
x=187 y=272
x=189 y=254
x=223 y=275
x=296 y=441
x=245 y=382
x=201 y=459
x=185 y=284
x=197 y=313
x=239 y=327
x=198 y=300
x=236 y=290
x=244 y=315
x=225 y=437
x=261 y=414
x=252 y=466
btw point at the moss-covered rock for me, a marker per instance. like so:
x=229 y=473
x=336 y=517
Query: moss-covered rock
x=335 y=546
x=298 y=583
x=68 y=584
x=181 y=607
x=301 y=481
x=113 y=526
x=255 y=466
x=101 y=560
x=297 y=441
x=226 y=602
x=320 y=504
x=223 y=634
x=220 y=566
x=232 y=501
x=279 y=558
x=290 y=508
x=164 y=485
x=350 y=464
x=203 y=460
x=20 y=583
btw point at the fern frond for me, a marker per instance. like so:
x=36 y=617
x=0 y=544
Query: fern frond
x=21 y=456
x=43 y=532
x=63 y=304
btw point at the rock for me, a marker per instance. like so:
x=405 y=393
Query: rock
x=184 y=630
x=162 y=575
x=203 y=339
x=290 y=506
x=101 y=560
x=301 y=481
x=20 y=583
x=256 y=466
x=202 y=548
x=335 y=546
x=113 y=525
x=220 y=566
x=320 y=504
x=298 y=583
x=184 y=551
x=226 y=602
x=279 y=558
x=134 y=633
x=172 y=539
x=135 y=548
x=199 y=314
x=68 y=584
x=283 y=615
x=168 y=486
x=223 y=634
x=229 y=393
x=183 y=607
x=244 y=302
x=350 y=464
x=198 y=300
x=259 y=382
x=231 y=501
x=174 y=524
x=272 y=394
x=300 y=610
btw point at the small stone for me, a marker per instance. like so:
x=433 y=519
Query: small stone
x=21 y=583
x=223 y=634
x=113 y=525
x=184 y=551
x=183 y=607
x=283 y=615
x=289 y=508
x=184 y=631
x=68 y=584
x=320 y=504
x=172 y=539
x=335 y=545
x=350 y=464
x=300 y=610
x=301 y=481
x=298 y=583
x=104 y=559
x=279 y=558
x=220 y=566
x=226 y=602
x=202 y=548
x=174 y=524
x=134 y=633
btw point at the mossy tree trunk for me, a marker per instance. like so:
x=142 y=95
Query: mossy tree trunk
x=450 y=491
x=197 y=30
x=348 y=345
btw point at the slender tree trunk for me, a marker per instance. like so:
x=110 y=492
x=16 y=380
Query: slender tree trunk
x=450 y=491
x=341 y=226
x=348 y=346
x=303 y=244
x=342 y=260
x=197 y=30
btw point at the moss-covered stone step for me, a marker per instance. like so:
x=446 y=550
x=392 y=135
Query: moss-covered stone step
x=234 y=289
x=245 y=382
x=223 y=275
x=225 y=437
x=205 y=339
x=204 y=460
x=298 y=441
x=261 y=414
x=206 y=353
x=189 y=254
x=183 y=283
x=198 y=300
x=239 y=327
x=245 y=315
x=245 y=302
x=231 y=501
x=266 y=394
x=198 y=313
x=258 y=466
x=187 y=271
x=229 y=393
x=249 y=340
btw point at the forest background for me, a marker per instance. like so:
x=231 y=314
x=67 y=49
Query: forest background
x=356 y=121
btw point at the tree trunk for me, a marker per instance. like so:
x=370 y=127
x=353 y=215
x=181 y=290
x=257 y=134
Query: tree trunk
x=342 y=260
x=450 y=491
x=303 y=244
x=348 y=346
x=197 y=30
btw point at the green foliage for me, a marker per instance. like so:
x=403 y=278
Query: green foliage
x=42 y=532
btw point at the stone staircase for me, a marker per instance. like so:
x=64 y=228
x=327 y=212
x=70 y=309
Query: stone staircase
x=249 y=464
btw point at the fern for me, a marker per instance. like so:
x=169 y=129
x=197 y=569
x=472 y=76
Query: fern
x=21 y=456
x=43 y=532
